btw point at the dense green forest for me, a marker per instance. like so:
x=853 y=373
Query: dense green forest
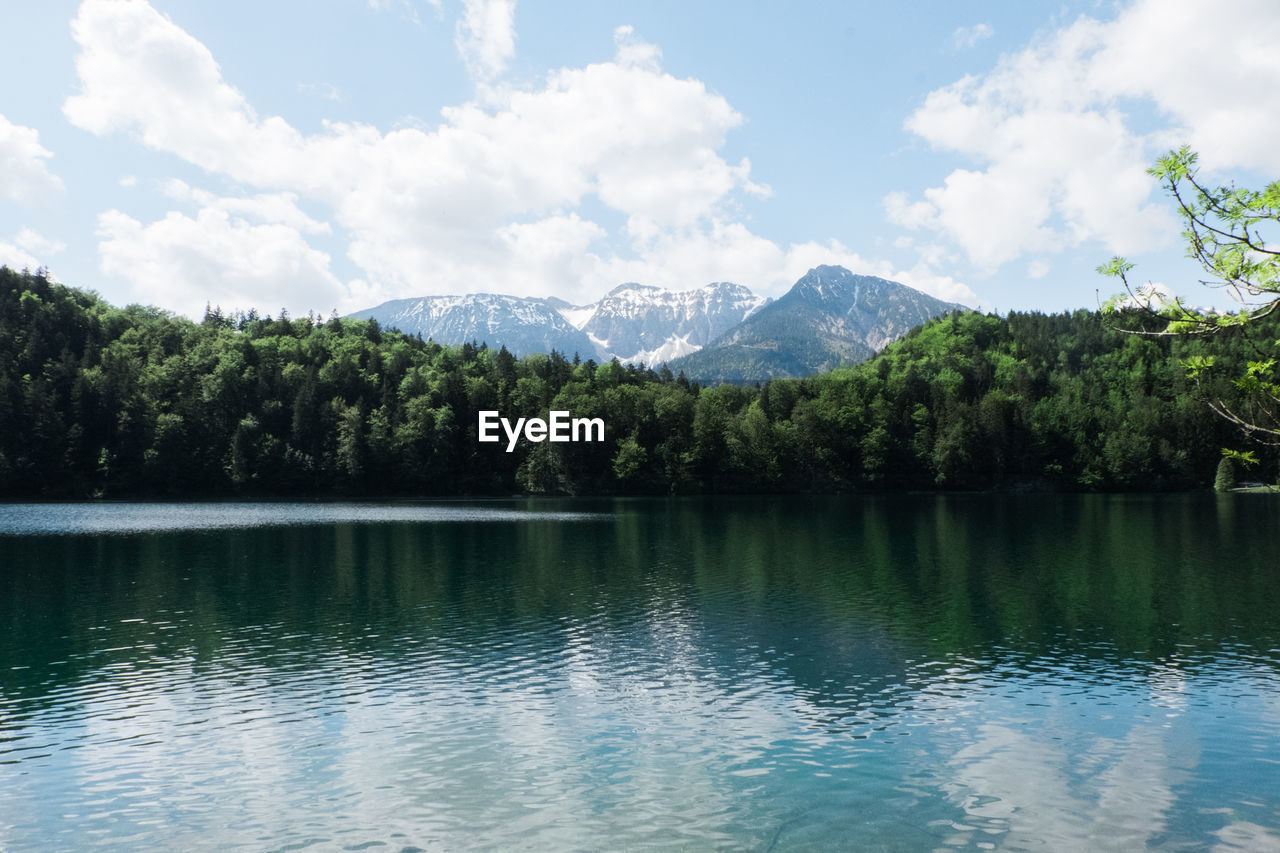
x=115 y=402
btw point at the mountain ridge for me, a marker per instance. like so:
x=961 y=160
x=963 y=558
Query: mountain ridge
x=720 y=331
x=829 y=317
x=524 y=324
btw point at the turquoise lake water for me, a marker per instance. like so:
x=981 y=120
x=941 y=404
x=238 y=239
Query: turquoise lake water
x=908 y=672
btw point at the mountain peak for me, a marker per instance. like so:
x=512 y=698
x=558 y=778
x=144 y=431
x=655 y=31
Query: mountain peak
x=829 y=270
x=726 y=287
x=829 y=317
x=825 y=274
x=720 y=330
x=827 y=283
x=521 y=323
x=631 y=285
x=651 y=324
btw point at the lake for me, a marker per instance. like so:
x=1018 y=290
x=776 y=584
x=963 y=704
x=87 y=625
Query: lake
x=911 y=672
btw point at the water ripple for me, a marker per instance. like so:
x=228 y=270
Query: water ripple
x=556 y=687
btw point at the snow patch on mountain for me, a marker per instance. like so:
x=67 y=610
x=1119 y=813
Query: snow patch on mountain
x=672 y=348
x=577 y=315
x=642 y=322
x=523 y=324
x=829 y=317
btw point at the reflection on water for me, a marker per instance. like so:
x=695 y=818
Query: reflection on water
x=47 y=519
x=907 y=672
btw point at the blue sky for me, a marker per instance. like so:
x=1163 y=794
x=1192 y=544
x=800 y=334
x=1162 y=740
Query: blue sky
x=337 y=153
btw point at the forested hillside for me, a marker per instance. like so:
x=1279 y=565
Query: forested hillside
x=103 y=401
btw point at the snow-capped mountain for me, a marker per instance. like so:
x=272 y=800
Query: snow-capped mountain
x=719 y=332
x=638 y=322
x=828 y=318
x=633 y=322
x=521 y=324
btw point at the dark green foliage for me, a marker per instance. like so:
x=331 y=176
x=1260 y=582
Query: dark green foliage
x=1229 y=230
x=1225 y=479
x=104 y=401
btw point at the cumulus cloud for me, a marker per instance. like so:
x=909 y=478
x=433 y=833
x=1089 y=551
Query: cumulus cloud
x=922 y=276
x=24 y=172
x=268 y=208
x=900 y=210
x=183 y=263
x=1059 y=161
x=32 y=241
x=730 y=251
x=489 y=199
x=16 y=258
x=1221 y=86
x=28 y=250
x=140 y=72
x=966 y=37
x=635 y=51
x=486 y=36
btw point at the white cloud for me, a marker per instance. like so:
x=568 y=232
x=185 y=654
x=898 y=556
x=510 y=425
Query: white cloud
x=28 y=250
x=140 y=72
x=902 y=211
x=24 y=174
x=922 y=276
x=237 y=252
x=729 y=251
x=555 y=236
x=489 y=199
x=1221 y=85
x=183 y=263
x=633 y=127
x=1061 y=163
x=1038 y=268
x=32 y=241
x=966 y=37
x=486 y=36
x=634 y=51
x=271 y=208
x=16 y=258
x=553 y=249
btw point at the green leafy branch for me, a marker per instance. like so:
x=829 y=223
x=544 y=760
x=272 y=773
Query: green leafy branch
x=1223 y=233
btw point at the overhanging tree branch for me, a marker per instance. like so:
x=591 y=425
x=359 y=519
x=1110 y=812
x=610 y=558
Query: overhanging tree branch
x=1223 y=235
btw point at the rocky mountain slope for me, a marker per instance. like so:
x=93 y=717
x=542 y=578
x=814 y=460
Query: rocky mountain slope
x=719 y=332
x=639 y=322
x=523 y=324
x=828 y=318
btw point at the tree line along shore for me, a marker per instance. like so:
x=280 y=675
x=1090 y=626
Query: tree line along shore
x=104 y=402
